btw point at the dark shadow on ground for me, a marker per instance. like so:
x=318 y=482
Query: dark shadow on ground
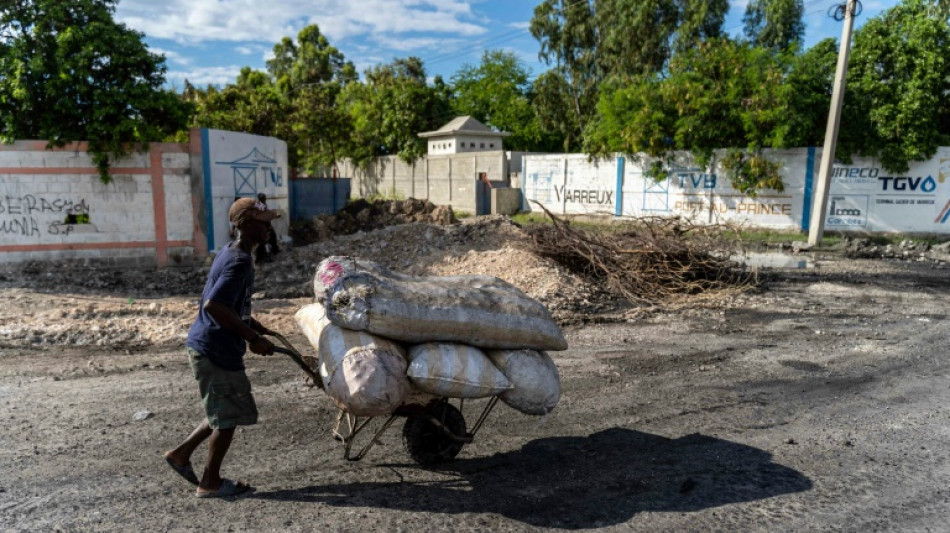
x=581 y=482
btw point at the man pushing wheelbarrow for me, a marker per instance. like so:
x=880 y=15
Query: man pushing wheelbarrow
x=217 y=342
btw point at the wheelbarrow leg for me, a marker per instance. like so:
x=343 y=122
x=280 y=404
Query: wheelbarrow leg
x=355 y=426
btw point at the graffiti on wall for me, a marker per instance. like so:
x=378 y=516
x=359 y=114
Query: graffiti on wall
x=252 y=167
x=30 y=215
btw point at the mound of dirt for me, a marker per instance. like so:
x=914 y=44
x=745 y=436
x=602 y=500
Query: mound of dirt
x=490 y=245
x=363 y=215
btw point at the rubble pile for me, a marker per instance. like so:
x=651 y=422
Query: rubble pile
x=364 y=215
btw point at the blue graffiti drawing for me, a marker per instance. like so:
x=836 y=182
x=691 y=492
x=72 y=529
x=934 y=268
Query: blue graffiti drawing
x=246 y=169
x=541 y=188
x=656 y=195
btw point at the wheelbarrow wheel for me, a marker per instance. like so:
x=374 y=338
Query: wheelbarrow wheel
x=428 y=444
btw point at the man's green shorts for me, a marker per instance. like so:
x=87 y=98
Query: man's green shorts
x=226 y=394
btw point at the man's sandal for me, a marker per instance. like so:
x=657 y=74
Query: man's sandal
x=185 y=471
x=228 y=488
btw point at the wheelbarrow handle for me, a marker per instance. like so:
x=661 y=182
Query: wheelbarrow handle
x=290 y=351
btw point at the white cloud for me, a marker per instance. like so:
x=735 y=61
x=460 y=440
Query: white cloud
x=171 y=57
x=250 y=49
x=406 y=44
x=248 y=20
x=520 y=25
x=203 y=76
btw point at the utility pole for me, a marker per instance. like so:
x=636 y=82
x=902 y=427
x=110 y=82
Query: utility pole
x=820 y=204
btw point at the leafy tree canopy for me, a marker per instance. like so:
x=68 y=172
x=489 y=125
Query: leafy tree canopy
x=721 y=94
x=309 y=61
x=392 y=107
x=497 y=92
x=252 y=105
x=69 y=72
x=775 y=24
x=898 y=86
x=590 y=42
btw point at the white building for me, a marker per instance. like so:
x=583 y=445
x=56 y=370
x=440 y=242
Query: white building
x=461 y=135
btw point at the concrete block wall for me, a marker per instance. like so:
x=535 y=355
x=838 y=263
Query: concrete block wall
x=143 y=214
x=441 y=179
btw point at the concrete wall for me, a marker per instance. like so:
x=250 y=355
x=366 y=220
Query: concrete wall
x=145 y=216
x=441 y=179
x=863 y=196
x=241 y=165
x=505 y=201
x=164 y=206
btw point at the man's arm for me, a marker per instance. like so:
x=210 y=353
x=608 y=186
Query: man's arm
x=260 y=328
x=225 y=317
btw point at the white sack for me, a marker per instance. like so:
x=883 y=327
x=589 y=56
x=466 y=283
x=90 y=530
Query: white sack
x=534 y=378
x=363 y=374
x=454 y=371
x=336 y=266
x=480 y=311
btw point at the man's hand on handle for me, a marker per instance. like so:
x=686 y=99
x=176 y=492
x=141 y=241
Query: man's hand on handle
x=261 y=346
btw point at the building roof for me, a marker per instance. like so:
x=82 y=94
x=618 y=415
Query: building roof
x=465 y=125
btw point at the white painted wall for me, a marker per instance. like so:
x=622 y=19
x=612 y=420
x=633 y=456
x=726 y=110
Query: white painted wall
x=34 y=206
x=864 y=197
x=239 y=165
x=463 y=144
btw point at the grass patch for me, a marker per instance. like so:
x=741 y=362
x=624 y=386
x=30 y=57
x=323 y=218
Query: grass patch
x=530 y=219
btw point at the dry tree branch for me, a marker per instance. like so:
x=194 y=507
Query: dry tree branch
x=650 y=260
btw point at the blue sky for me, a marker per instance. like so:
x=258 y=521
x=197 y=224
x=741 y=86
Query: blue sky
x=208 y=41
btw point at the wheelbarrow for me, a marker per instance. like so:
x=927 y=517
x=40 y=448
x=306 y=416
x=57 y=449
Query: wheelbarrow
x=432 y=433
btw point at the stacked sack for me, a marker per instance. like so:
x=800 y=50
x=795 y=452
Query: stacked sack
x=465 y=337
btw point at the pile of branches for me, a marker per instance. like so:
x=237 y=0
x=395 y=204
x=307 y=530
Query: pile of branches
x=648 y=261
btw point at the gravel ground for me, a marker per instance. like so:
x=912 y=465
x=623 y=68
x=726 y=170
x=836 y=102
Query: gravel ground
x=816 y=403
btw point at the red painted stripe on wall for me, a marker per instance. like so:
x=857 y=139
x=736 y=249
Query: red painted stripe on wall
x=197 y=206
x=89 y=246
x=83 y=146
x=158 y=208
x=61 y=170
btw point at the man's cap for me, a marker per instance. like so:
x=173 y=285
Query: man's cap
x=244 y=208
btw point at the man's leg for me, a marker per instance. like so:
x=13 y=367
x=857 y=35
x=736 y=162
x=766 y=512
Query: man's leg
x=217 y=449
x=182 y=454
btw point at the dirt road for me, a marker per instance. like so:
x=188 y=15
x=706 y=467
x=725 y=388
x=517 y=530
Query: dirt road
x=820 y=403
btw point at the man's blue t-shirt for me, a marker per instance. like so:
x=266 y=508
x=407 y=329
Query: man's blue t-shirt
x=230 y=283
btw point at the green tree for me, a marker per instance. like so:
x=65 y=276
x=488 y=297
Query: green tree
x=723 y=94
x=810 y=83
x=252 y=105
x=497 y=93
x=391 y=108
x=318 y=130
x=588 y=43
x=567 y=92
x=309 y=61
x=896 y=101
x=775 y=24
x=296 y=100
x=69 y=72
x=635 y=38
x=309 y=75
